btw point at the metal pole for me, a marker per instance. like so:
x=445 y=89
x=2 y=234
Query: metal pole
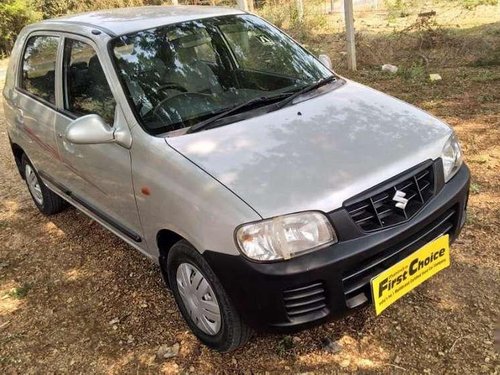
x=243 y=5
x=349 y=32
x=300 y=9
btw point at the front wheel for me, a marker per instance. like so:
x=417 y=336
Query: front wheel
x=202 y=300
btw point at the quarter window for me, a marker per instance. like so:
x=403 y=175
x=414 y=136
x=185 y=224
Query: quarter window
x=39 y=66
x=87 y=90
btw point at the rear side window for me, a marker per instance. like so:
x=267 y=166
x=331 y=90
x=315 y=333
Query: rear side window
x=87 y=90
x=39 y=67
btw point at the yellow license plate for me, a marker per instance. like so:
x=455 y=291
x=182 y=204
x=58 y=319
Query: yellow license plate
x=392 y=284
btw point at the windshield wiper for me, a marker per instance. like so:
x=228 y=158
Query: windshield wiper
x=209 y=123
x=283 y=98
x=304 y=90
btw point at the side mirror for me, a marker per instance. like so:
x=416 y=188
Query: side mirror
x=325 y=60
x=90 y=129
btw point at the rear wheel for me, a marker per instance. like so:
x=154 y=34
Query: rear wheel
x=202 y=300
x=47 y=201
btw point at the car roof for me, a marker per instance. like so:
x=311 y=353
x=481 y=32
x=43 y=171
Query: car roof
x=126 y=20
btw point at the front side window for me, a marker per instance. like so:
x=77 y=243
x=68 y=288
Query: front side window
x=87 y=90
x=178 y=75
x=39 y=66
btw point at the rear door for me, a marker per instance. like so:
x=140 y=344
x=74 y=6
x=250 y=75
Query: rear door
x=98 y=175
x=35 y=100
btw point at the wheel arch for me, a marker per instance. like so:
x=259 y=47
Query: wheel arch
x=18 y=153
x=165 y=239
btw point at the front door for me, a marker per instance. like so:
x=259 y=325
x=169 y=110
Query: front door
x=98 y=176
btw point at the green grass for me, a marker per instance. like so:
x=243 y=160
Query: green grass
x=475 y=188
x=491 y=59
x=415 y=72
x=284 y=345
x=472 y=218
x=486 y=76
x=20 y=292
x=481 y=159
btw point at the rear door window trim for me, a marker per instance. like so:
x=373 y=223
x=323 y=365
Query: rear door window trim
x=18 y=80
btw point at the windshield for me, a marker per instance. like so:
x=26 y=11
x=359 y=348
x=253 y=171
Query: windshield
x=179 y=75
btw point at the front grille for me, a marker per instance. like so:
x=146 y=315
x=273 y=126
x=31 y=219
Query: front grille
x=304 y=300
x=378 y=210
x=357 y=280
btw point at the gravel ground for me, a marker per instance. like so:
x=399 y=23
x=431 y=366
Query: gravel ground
x=75 y=299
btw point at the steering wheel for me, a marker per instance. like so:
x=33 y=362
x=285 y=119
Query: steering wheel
x=163 y=101
x=171 y=86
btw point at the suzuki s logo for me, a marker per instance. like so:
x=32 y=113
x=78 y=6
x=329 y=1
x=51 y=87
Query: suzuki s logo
x=400 y=199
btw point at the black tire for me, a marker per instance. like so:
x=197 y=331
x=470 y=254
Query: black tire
x=233 y=332
x=51 y=202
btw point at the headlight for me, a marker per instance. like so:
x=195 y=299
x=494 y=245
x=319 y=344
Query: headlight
x=284 y=237
x=452 y=157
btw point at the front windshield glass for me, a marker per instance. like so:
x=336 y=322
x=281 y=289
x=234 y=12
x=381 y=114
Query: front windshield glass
x=181 y=74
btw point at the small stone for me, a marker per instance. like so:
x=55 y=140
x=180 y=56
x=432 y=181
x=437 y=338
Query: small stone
x=69 y=300
x=441 y=354
x=234 y=361
x=114 y=321
x=488 y=342
x=166 y=351
x=427 y=370
x=487 y=359
x=296 y=339
x=345 y=363
x=144 y=305
x=331 y=346
x=115 y=327
x=435 y=77
x=389 y=68
x=191 y=369
x=130 y=339
x=397 y=359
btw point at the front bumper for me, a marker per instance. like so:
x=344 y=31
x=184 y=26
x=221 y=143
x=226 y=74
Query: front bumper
x=331 y=282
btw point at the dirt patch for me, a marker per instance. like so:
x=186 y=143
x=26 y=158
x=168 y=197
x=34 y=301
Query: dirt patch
x=73 y=298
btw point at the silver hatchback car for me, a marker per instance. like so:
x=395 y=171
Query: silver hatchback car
x=273 y=193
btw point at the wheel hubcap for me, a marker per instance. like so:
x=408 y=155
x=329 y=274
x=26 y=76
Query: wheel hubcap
x=198 y=298
x=33 y=184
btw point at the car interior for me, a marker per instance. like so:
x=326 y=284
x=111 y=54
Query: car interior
x=189 y=74
x=87 y=88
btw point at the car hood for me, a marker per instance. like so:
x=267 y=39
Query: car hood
x=316 y=154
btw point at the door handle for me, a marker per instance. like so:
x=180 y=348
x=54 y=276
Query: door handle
x=20 y=116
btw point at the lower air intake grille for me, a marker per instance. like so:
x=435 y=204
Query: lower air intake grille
x=395 y=201
x=357 y=280
x=304 y=300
